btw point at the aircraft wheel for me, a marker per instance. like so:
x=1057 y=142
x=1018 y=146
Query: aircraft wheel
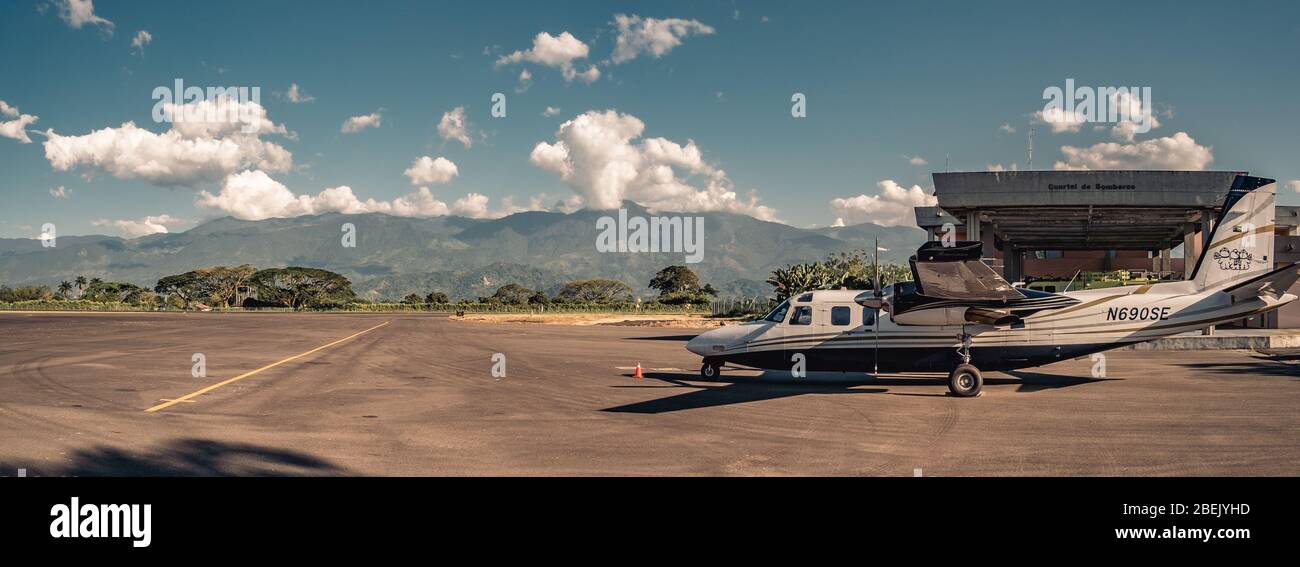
x=711 y=369
x=965 y=381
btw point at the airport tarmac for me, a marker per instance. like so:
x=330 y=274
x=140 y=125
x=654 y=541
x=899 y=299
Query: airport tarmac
x=414 y=394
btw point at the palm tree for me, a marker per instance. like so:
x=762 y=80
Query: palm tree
x=64 y=289
x=81 y=282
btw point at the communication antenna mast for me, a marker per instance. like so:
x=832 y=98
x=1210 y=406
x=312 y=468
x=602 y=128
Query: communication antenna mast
x=946 y=157
x=1031 y=147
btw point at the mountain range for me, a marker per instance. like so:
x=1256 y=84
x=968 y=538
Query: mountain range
x=464 y=257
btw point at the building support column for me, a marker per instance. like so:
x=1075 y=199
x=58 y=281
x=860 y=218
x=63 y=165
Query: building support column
x=1191 y=249
x=973 y=225
x=1013 y=259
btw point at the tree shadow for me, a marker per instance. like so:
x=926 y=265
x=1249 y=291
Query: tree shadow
x=192 y=457
x=681 y=338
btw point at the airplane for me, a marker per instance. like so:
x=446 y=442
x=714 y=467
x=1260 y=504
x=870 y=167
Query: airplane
x=959 y=316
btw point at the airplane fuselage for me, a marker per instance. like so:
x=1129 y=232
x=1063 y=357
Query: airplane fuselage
x=1099 y=320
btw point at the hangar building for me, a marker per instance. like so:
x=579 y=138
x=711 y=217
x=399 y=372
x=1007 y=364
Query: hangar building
x=1043 y=225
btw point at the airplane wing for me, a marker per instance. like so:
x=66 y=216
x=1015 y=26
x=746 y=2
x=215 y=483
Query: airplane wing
x=1272 y=284
x=956 y=272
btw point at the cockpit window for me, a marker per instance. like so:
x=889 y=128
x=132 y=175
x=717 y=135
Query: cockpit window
x=805 y=298
x=802 y=315
x=778 y=315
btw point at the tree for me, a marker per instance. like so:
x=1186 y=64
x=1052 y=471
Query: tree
x=65 y=288
x=81 y=284
x=26 y=293
x=301 y=287
x=222 y=284
x=854 y=271
x=594 y=291
x=112 y=292
x=675 y=279
x=412 y=299
x=218 y=284
x=437 y=297
x=539 y=298
x=798 y=278
x=512 y=294
x=186 y=287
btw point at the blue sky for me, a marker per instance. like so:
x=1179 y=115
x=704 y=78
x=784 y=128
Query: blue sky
x=884 y=83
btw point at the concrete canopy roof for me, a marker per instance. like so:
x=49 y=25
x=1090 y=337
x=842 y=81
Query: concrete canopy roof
x=1084 y=210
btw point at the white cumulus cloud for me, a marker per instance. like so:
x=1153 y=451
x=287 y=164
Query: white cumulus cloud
x=637 y=35
x=892 y=206
x=141 y=39
x=254 y=195
x=297 y=96
x=429 y=171
x=358 y=123
x=916 y=160
x=1176 y=152
x=78 y=13
x=16 y=128
x=602 y=157
x=557 y=51
x=60 y=192
x=454 y=126
x=207 y=141
x=155 y=224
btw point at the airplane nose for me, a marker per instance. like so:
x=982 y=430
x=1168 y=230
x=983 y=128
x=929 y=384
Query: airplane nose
x=699 y=344
x=712 y=343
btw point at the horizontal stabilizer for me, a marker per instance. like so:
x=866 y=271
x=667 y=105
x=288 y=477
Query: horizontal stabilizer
x=1272 y=284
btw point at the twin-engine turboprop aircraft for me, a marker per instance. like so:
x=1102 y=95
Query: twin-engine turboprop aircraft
x=958 y=315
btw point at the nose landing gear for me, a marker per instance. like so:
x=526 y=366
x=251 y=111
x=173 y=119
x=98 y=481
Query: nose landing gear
x=711 y=369
x=965 y=380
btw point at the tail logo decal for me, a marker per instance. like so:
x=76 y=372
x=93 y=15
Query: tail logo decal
x=1233 y=259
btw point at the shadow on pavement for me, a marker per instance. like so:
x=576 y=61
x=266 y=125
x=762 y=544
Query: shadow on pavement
x=192 y=457
x=769 y=385
x=728 y=391
x=1264 y=363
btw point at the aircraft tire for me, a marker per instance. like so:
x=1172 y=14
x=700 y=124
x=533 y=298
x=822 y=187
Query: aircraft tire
x=711 y=369
x=965 y=381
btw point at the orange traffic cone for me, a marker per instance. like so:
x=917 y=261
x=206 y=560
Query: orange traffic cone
x=637 y=373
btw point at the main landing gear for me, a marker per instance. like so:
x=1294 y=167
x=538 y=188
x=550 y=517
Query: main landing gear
x=965 y=380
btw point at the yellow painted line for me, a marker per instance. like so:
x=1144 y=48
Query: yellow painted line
x=176 y=400
x=187 y=397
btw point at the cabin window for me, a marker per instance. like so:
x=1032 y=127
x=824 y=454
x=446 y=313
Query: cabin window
x=805 y=298
x=802 y=315
x=778 y=315
x=868 y=316
x=840 y=315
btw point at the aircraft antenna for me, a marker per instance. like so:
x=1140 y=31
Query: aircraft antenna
x=1076 y=274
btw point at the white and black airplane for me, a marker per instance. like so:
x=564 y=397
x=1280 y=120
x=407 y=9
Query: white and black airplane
x=959 y=316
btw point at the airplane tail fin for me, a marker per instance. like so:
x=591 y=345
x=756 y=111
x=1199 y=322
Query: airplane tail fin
x=1241 y=244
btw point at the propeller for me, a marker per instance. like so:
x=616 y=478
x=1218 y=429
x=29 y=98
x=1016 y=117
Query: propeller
x=879 y=295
